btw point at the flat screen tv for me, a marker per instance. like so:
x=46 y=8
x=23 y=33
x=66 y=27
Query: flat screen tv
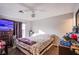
x=6 y=25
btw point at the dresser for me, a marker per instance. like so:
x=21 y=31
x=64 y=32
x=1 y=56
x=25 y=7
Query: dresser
x=66 y=51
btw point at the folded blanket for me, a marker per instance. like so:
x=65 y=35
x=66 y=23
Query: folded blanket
x=27 y=41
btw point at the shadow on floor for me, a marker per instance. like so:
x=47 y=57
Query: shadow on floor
x=15 y=51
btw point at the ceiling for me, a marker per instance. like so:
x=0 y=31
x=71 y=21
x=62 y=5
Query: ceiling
x=41 y=10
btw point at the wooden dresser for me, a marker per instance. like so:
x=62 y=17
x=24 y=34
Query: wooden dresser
x=66 y=51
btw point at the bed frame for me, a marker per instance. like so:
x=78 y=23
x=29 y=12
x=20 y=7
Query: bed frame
x=25 y=51
x=54 y=39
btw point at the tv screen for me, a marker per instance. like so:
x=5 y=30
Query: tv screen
x=6 y=25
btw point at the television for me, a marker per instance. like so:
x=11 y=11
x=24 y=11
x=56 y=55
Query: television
x=6 y=25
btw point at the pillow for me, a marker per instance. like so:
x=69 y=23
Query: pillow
x=41 y=36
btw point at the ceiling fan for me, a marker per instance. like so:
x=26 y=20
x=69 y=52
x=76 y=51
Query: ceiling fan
x=32 y=15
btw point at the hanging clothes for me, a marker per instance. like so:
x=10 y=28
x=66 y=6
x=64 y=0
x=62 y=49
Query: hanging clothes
x=2 y=46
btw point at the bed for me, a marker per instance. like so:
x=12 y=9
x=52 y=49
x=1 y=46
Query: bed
x=38 y=45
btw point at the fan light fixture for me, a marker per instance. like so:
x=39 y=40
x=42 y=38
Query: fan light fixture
x=33 y=15
x=21 y=11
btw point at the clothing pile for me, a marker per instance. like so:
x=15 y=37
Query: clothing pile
x=69 y=39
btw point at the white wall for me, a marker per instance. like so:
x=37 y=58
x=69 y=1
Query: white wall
x=58 y=25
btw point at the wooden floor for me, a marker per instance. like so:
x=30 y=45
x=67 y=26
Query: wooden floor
x=52 y=51
x=15 y=51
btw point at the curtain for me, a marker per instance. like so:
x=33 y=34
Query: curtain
x=18 y=29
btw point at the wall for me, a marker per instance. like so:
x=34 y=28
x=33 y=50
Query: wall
x=58 y=25
x=28 y=25
x=27 y=28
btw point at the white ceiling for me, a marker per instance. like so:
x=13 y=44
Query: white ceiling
x=42 y=10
